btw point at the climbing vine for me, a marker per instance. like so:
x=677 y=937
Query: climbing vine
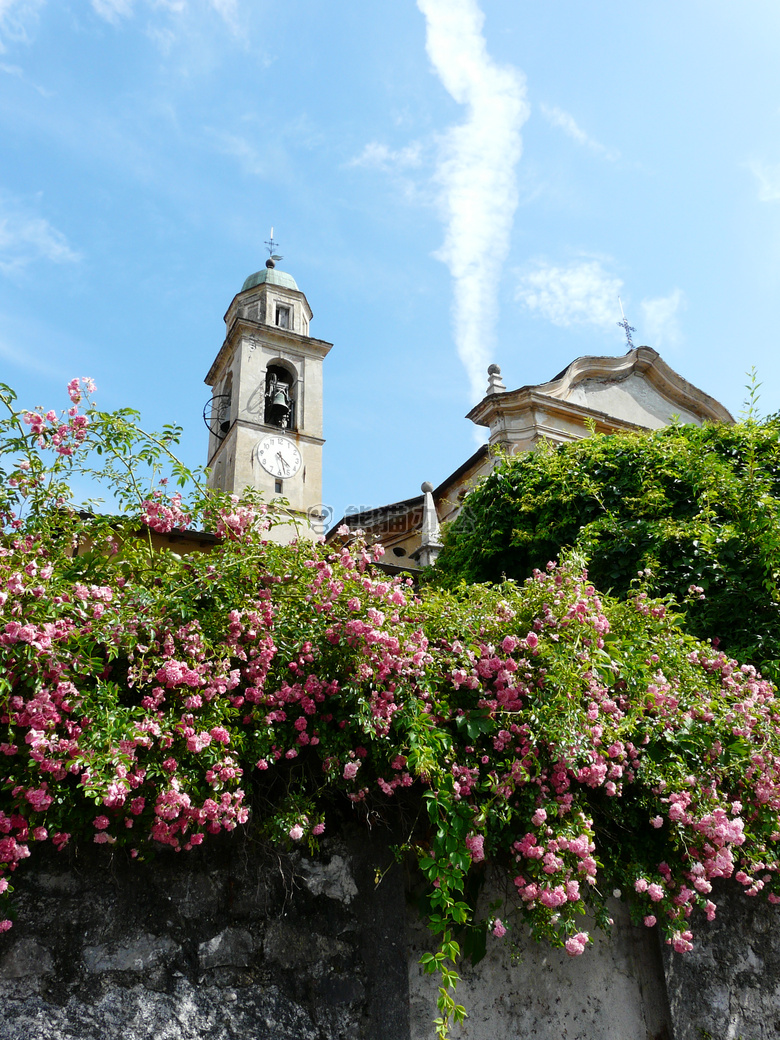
x=697 y=506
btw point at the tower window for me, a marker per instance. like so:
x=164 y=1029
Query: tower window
x=283 y=316
x=224 y=407
x=279 y=398
x=277 y=487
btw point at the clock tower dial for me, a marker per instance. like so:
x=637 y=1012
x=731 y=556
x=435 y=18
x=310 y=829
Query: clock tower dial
x=278 y=456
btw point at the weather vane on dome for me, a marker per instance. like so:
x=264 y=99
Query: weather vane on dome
x=273 y=257
x=628 y=329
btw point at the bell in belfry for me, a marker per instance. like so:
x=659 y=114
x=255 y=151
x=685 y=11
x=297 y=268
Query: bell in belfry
x=277 y=401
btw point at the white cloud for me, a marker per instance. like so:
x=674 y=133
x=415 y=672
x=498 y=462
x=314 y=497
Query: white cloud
x=113 y=10
x=768 y=178
x=476 y=178
x=661 y=327
x=25 y=358
x=164 y=39
x=16 y=18
x=582 y=293
x=18 y=73
x=250 y=158
x=566 y=122
x=379 y=156
x=25 y=238
x=227 y=9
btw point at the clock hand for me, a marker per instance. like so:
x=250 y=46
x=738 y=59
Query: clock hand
x=283 y=461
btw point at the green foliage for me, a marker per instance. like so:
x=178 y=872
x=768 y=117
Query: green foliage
x=699 y=508
x=578 y=742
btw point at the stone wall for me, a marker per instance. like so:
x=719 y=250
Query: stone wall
x=613 y=992
x=728 y=986
x=236 y=942
x=233 y=942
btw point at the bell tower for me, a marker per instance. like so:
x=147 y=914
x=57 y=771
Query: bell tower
x=265 y=415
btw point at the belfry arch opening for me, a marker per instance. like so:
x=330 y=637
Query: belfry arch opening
x=225 y=406
x=280 y=396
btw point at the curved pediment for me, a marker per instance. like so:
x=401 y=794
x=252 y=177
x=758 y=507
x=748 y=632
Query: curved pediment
x=639 y=388
x=636 y=390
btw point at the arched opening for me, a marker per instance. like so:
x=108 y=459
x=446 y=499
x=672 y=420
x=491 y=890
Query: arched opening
x=225 y=406
x=280 y=397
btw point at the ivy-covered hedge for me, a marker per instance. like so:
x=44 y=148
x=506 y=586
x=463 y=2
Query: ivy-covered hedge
x=149 y=700
x=696 y=509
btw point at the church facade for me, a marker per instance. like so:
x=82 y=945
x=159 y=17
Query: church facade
x=637 y=391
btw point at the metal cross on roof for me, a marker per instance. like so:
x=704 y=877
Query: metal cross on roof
x=272 y=247
x=628 y=329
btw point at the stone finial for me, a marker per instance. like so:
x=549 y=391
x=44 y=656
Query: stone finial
x=429 y=534
x=495 y=382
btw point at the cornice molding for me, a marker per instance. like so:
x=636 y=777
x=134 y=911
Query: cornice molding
x=272 y=335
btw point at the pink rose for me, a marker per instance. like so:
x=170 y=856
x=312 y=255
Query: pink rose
x=39 y=798
x=475 y=844
x=576 y=945
x=682 y=942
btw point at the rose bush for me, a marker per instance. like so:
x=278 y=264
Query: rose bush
x=149 y=700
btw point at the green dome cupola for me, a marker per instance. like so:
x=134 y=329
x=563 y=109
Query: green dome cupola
x=270 y=276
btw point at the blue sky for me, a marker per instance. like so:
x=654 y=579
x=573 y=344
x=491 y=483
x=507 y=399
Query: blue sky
x=451 y=182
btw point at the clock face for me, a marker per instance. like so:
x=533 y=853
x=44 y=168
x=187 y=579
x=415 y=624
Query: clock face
x=278 y=456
